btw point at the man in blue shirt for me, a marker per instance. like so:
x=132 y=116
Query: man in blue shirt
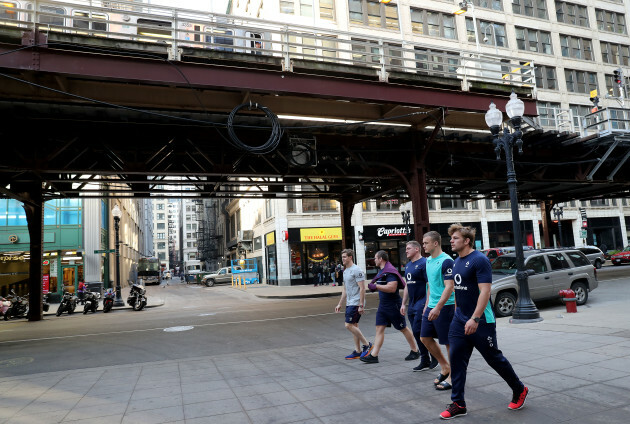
x=473 y=323
x=416 y=291
x=387 y=282
x=440 y=305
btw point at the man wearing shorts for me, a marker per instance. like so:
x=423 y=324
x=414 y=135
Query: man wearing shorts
x=440 y=305
x=353 y=293
x=415 y=291
x=387 y=282
x=473 y=323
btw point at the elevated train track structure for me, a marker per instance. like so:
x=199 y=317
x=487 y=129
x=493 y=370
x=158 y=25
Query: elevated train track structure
x=115 y=99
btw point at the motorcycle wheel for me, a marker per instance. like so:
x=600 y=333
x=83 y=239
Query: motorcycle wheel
x=60 y=309
x=85 y=309
x=7 y=315
x=107 y=307
x=137 y=304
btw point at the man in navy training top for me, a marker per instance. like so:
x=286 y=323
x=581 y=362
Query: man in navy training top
x=353 y=293
x=415 y=291
x=473 y=323
x=440 y=305
x=387 y=282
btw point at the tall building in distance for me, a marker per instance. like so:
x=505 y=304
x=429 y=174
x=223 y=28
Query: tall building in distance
x=160 y=231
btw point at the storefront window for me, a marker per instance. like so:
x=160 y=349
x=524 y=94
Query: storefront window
x=319 y=205
x=388 y=204
x=296 y=261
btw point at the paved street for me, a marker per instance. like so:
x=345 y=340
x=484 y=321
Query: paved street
x=249 y=359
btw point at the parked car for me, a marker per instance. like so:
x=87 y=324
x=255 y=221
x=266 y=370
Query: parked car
x=622 y=257
x=222 y=276
x=493 y=253
x=594 y=254
x=551 y=270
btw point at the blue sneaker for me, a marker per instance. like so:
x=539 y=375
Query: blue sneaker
x=354 y=355
x=367 y=349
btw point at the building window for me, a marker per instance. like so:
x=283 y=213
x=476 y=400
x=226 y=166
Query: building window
x=319 y=205
x=546 y=77
x=327 y=9
x=610 y=21
x=579 y=112
x=547 y=113
x=160 y=226
x=287 y=6
x=495 y=37
x=434 y=24
x=159 y=206
x=432 y=62
x=534 y=8
x=572 y=14
x=616 y=54
x=162 y=256
x=576 y=47
x=533 y=40
x=161 y=245
x=291 y=206
x=580 y=81
x=373 y=13
x=447 y=202
x=160 y=236
x=489 y=4
x=367 y=51
x=268 y=209
x=160 y=216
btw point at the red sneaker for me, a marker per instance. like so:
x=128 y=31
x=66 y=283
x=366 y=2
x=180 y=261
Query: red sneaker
x=518 y=399
x=453 y=411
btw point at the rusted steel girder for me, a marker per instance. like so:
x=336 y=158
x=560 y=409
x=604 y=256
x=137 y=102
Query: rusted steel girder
x=200 y=76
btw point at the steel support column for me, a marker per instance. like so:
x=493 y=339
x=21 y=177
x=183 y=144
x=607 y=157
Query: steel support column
x=545 y=212
x=419 y=204
x=34 y=208
x=346 y=207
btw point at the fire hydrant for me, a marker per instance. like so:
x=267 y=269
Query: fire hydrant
x=568 y=297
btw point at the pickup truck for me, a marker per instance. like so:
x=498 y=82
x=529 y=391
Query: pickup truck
x=222 y=276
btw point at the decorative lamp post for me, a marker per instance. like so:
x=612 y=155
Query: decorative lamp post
x=558 y=210
x=524 y=311
x=463 y=8
x=406 y=217
x=117 y=214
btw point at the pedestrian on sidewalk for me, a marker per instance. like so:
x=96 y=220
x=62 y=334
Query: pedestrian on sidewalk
x=440 y=305
x=387 y=282
x=332 y=271
x=415 y=291
x=339 y=272
x=473 y=323
x=81 y=292
x=353 y=293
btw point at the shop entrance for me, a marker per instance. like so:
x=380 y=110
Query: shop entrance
x=69 y=278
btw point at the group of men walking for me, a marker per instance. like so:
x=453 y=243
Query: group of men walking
x=443 y=299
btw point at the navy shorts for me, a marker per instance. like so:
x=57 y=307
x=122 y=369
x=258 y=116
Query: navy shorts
x=390 y=316
x=352 y=314
x=438 y=328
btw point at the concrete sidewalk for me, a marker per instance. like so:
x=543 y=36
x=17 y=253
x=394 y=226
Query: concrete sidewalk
x=576 y=366
x=291 y=292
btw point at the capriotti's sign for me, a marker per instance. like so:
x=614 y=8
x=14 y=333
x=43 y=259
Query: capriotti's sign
x=380 y=232
x=391 y=231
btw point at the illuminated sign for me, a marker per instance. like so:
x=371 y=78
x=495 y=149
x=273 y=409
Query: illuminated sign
x=270 y=238
x=320 y=234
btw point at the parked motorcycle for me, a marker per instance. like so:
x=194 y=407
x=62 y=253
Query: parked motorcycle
x=45 y=304
x=108 y=300
x=68 y=303
x=137 y=299
x=18 y=307
x=91 y=301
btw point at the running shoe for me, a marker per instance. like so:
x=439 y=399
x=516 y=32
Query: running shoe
x=412 y=356
x=369 y=359
x=518 y=399
x=367 y=349
x=354 y=355
x=453 y=411
x=434 y=363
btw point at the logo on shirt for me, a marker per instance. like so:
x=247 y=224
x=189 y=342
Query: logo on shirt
x=467 y=263
x=490 y=342
x=449 y=271
x=458 y=282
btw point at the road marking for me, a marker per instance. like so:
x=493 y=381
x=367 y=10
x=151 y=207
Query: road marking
x=162 y=328
x=180 y=328
x=14 y=362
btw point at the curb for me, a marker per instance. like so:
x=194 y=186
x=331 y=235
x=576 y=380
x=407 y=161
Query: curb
x=296 y=296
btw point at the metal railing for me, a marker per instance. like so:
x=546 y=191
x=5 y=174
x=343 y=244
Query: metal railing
x=607 y=121
x=557 y=119
x=247 y=39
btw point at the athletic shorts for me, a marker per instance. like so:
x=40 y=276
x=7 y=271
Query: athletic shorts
x=438 y=329
x=390 y=316
x=415 y=317
x=352 y=314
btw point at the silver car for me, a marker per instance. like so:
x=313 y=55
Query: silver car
x=594 y=254
x=549 y=272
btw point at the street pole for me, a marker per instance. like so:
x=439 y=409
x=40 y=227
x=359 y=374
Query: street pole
x=117 y=213
x=524 y=311
x=558 y=212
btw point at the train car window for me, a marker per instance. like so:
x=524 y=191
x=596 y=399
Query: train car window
x=152 y=28
x=98 y=21
x=7 y=11
x=221 y=38
x=256 y=42
x=49 y=17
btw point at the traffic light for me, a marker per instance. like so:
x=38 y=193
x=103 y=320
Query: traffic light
x=584 y=224
x=595 y=101
x=618 y=76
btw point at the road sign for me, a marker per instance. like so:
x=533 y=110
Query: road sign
x=583 y=233
x=105 y=251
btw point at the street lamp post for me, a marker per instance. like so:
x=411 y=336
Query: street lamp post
x=406 y=217
x=524 y=311
x=494 y=36
x=558 y=212
x=117 y=214
x=463 y=8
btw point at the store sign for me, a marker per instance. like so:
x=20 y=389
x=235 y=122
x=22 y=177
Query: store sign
x=320 y=234
x=53 y=267
x=270 y=238
x=11 y=258
x=391 y=231
x=46 y=283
